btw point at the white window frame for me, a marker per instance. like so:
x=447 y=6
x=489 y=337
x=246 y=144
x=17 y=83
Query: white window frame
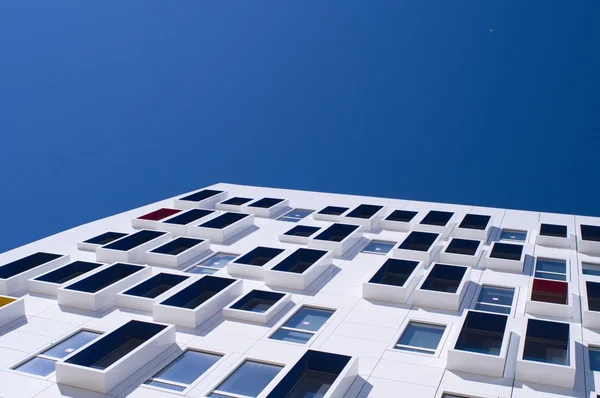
x=237 y=365
x=441 y=343
x=566 y=274
x=197 y=264
x=512 y=304
x=285 y=215
x=513 y=230
x=280 y=325
x=394 y=244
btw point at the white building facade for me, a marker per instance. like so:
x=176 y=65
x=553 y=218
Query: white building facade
x=239 y=291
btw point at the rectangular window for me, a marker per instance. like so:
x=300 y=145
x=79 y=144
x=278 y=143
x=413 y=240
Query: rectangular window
x=364 y=211
x=437 y=218
x=303 y=325
x=212 y=264
x=594 y=358
x=419 y=241
x=549 y=268
x=590 y=269
x=590 y=232
x=248 y=380
x=495 y=299
x=421 y=337
x=482 y=333
x=333 y=210
x=183 y=371
x=378 y=247
x=513 y=234
x=475 y=221
x=43 y=363
x=558 y=231
x=506 y=251
x=444 y=278
x=547 y=341
x=401 y=215
x=295 y=215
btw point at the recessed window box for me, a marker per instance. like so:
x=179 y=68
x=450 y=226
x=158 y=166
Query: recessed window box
x=300 y=234
x=197 y=302
x=331 y=213
x=299 y=269
x=112 y=358
x=482 y=345
x=11 y=308
x=177 y=252
x=590 y=305
x=338 y=238
x=259 y=306
x=132 y=247
x=435 y=221
x=98 y=290
x=547 y=354
x=549 y=298
x=366 y=215
x=505 y=257
x=50 y=282
x=178 y=225
x=553 y=235
x=203 y=199
x=393 y=282
x=222 y=227
x=94 y=243
x=318 y=374
x=462 y=251
x=474 y=226
x=266 y=207
x=14 y=275
x=233 y=204
x=254 y=263
x=399 y=220
x=589 y=239
x=151 y=220
x=443 y=287
x=420 y=246
x=142 y=296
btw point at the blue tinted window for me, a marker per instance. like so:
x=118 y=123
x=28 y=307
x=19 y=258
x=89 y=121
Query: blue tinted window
x=249 y=379
x=37 y=366
x=166 y=386
x=421 y=336
x=594 y=358
x=292 y=336
x=186 y=368
x=551 y=269
x=70 y=344
x=202 y=271
x=379 y=247
x=591 y=269
x=309 y=319
x=495 y=299
x=295 y=215
x=212 y=264
x=511 y=234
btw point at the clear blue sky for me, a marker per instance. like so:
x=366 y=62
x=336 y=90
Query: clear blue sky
x=109 y=105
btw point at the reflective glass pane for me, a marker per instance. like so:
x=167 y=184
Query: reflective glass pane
x=549 y=265
x=591 y=269
x=202 y=271
x=292 y=336
x=496 y=295
x=188 y=367
x=166 y=386
x=298 y=214
x=249 y=379
x=422 y=335
x=310 y=319
x=378 y=246
x=71 y=344
x=548 y=275
x=37 y=366
x=509 y=234
x=594 y=358
x=219 y=260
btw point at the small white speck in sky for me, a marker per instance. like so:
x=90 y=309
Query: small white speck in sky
x=491 y=29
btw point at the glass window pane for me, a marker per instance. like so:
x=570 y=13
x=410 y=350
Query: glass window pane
x=422 y=335
x=547 y=275
x=219 y=260
x=289 y=219
x=548 y=265
x=509 y=234
x=591 y=269
x=71 y=344
x=292 y=336
x=496 y=295
x=378 y=246
x=187 y=367
x=202 y=271
x=310 y=319
x=297 y=214
x=492 y=308
x=249 y=379
x=594 y=358
x=37 y=366
x=166 y=386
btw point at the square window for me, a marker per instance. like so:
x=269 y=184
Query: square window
x=212 y=264
x=401 y=215
x=302 y=230
x=548 y=268
x=265 y=203
x=482 y=333
x=394 y=272
x=295 y=215
x=364 y=211
x=444 y=278
x=513 y=234
x=495 y=299
x=559 y=231
x=475 y=221
x=236 y=201
x=593 y=295
x=336 y=232
x=378 y=247
x=333 y=210
x=590 y=269
x=506 y=251
x=259 y=256
x=421 y=337
x=419 y=241
x=594 y=358
x=437 y=218
x=547 y=342
x=303 y=325
x=590 y=232
x=549 y=291
x=185 y=369
x=465 y=247
x=248 y=380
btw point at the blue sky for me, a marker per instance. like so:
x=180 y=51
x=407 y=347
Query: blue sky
x=106 y=106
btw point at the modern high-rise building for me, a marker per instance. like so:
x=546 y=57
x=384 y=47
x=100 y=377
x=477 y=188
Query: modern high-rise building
x=239 y=291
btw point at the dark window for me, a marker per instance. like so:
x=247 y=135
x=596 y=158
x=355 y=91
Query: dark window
x=593 y=295
x=590 y=232
x=68 y=272
x=265 y=203
x=594 y=358
x=463 y=246
x=364 y=211
x=482 y=333
x=177 y=246
x=506 y=251
x=134 y=240
x=302 y=230
x=198 y=292
x=299 y=261
x=401 y=215
x=394 y=272
x=201 y=195
x=156 y=285
x=98 y=281
x=257 y=301
x=105 y=238
x=259 y=256
x=475 y=221
x=444 y=278
x=549 y=291
x=159 y=214
x=236 y=201
x=224 y=220
x=439 y=218
x=333 y=210
x=189 y=217
x=336 y=232
x=559 y=231
x=26 y=263
x=547 y=342
x=419 y=241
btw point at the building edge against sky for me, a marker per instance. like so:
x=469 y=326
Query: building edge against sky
x=367 y=297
